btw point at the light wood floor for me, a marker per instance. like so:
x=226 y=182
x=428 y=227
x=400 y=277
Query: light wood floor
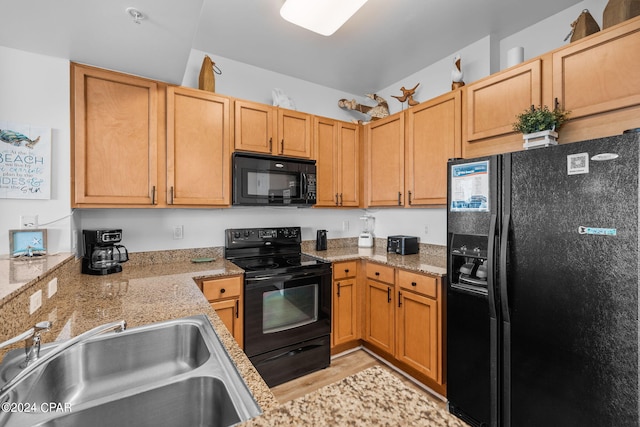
x=341 y=367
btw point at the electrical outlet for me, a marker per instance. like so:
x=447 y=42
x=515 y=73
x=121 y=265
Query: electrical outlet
x=178 y=232
x=52 y=287
x=35 y=302
x=426 y=229
x=345 y=225
x=28 y=221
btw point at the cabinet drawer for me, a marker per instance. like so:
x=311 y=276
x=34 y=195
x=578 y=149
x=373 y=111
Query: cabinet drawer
x=343 y=270
x=380 y=272
x=426 y=285
x=222 y=288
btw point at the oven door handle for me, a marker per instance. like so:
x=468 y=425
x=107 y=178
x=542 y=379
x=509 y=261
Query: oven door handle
x=290 y=353
x=289 y=276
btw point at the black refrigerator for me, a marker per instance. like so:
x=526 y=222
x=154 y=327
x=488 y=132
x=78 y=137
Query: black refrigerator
x=542 y=286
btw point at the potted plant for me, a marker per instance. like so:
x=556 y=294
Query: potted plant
x=540 y=125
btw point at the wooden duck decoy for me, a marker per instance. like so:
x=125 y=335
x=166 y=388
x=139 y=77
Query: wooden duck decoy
x=407 y=95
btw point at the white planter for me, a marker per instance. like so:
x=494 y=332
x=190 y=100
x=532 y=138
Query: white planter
x=543 y=138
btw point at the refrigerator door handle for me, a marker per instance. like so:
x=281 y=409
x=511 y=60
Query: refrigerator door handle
x=504 y=296
x=490 y=267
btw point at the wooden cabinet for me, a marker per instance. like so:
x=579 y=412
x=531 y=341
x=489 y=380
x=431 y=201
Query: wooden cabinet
x=598 y=81
x=226 y=297
x=265 y=129
x=198 y=148
x=337 y=151
x=491 y=106
x=385 y=162
x=346 y=327
x=433 y=136
x=379 y=307
x=114 y=138
x=119 y=154
x=419 y=341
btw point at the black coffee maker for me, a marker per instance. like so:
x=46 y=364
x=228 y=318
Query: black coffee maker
x=101 y=253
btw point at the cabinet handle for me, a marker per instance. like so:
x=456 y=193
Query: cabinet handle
x=556 y=103
x=399 y=299
x=282 y=147
x=338 y=288
x=377 y=273
x=409 y=197
x=153 y=195
x=346 y=270
x=399 y=198
x=223 y=290
x=237 y=308
x=388 y=294
x=270 y=144
x=414 y=284
x=336 y=199
x=171 y=194
x=340 y=199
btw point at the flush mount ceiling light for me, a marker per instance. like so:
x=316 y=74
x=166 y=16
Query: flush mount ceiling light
x=320 y=16
x=135 y=14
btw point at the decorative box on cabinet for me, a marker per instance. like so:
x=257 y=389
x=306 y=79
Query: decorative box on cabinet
x=226 y=297
x=337 y=151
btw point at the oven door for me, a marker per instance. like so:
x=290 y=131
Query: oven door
x=286 y=309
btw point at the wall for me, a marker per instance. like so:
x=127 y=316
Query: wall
x=35 y=90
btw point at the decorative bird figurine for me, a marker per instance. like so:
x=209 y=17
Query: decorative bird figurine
x=456 y=74
x=407 y=95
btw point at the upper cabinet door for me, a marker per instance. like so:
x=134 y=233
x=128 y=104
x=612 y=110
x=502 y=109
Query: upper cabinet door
x=114 y=138
x=349 y=164
x=326 y=149
x=597 y=79
x=294 y=134
x=385 y=161
x=198 y=148
x=254 y=127
x=433 y=136
x=491 y=106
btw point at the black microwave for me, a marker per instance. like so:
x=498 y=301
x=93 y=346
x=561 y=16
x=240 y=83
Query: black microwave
x=273 y=180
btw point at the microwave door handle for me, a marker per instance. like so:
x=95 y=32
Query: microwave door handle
x=304 y=184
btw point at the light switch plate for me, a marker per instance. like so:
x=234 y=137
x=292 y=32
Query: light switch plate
x=35 y=301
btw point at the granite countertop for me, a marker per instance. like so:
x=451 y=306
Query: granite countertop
x=430 y=262
x=161 y=286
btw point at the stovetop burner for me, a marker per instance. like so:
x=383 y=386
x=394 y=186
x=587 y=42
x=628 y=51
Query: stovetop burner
x=269 y=251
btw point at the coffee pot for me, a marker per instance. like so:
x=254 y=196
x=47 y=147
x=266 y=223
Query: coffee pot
x=101 y=253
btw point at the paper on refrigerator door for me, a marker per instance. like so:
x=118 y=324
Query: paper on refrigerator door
x=470 y=187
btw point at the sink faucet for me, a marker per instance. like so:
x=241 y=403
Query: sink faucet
x=28 y=368
x=31 y=340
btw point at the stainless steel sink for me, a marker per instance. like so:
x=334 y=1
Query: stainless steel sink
x=200 y=401
x=145 y=373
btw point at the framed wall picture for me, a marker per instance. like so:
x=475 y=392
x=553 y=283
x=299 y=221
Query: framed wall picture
x=28 y=242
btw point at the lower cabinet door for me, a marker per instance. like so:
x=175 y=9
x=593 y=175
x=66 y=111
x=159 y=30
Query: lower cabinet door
x=417 y=334
x=345 y=326
x=379 y=322
x=230 y=313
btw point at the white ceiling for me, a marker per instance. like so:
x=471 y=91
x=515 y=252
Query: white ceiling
x=384 y=42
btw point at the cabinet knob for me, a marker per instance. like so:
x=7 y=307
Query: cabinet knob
x=223 y=290
x=346 y=270
x=414 y=284
x=377 y=273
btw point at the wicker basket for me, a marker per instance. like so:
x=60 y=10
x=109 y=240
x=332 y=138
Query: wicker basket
x=617 y=11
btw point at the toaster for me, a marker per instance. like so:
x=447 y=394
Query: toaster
x=402 y=245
